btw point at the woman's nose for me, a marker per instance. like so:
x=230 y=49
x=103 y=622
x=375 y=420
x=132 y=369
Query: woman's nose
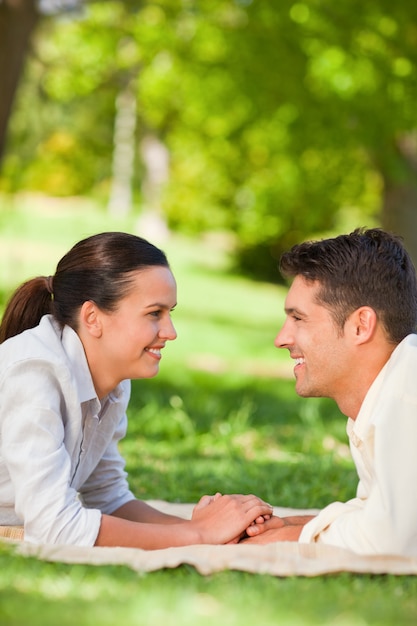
x=168 y=331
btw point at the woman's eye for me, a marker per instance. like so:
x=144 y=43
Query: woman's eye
x=155 y=313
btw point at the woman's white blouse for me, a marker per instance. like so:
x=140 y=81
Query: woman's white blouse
x=60 y=467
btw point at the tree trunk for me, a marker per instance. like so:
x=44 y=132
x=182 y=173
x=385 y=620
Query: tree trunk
x=152 y=223
x=399 y=207
x=120 y=201
x=18 y=19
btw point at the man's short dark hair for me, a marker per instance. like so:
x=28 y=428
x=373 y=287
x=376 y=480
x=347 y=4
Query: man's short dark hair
x=364 y=268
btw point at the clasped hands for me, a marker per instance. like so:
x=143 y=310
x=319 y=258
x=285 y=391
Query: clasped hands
x=237 y=518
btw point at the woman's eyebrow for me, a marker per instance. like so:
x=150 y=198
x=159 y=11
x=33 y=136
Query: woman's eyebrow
x=161 y=305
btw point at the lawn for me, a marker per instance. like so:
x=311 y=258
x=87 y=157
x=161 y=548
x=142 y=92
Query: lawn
x=221 y=415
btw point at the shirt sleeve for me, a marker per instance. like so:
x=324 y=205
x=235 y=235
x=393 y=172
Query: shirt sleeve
x=107 y=487
x=33 y=451
x=385 y=521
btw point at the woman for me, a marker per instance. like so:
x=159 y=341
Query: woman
x=70 y=343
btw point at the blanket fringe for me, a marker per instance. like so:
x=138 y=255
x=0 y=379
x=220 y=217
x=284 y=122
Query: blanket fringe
x=12 y=532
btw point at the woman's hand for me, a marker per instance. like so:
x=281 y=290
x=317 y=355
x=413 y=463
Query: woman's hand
x=205 y=501
x=226 y=518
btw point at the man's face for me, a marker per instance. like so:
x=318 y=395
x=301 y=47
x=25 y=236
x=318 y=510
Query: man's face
x=320 y=350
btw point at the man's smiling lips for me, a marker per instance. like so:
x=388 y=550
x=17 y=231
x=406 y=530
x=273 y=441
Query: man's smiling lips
x=298 y=362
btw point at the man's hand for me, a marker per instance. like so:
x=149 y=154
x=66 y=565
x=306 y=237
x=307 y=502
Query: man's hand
x=276 y=529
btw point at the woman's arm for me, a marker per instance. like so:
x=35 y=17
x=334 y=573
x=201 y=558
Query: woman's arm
x=223 y=521
x=139 y=511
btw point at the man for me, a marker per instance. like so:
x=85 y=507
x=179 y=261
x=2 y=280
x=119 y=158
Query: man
x=351 y=316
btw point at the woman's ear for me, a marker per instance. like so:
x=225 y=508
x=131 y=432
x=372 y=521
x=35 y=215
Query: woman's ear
x=90 y=319
x=363 y=323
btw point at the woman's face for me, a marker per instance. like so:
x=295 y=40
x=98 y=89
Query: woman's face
x=133 y=336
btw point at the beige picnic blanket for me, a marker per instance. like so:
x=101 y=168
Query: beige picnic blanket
x=277 y=559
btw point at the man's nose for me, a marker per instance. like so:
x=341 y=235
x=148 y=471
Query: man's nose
x=283 y=338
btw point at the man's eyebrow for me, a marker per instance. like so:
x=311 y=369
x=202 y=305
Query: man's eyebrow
x=294 y=311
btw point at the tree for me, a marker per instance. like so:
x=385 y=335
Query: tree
x=312 y=108
x=280 y=120
x=18 y=19
x=18 y=22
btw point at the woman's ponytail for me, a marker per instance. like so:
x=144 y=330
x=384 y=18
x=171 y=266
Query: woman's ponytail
x=27 y=305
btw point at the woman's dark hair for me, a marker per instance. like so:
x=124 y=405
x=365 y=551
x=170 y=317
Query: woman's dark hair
x=98 y=268
x=365 y=268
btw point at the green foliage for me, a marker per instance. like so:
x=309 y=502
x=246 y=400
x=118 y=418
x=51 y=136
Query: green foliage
x=277 y=118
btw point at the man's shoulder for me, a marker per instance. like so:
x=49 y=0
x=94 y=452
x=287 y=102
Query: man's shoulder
x=401 y=367
x=407 y=347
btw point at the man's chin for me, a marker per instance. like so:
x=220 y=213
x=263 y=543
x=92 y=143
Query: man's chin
x=303 y=392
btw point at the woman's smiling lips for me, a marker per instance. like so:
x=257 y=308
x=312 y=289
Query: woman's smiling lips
x=155 y=352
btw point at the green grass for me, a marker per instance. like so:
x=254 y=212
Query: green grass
x=222 y=415
x=229 y=433
x=52 y=594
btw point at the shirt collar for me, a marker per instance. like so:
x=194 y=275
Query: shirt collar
x=359 y=426
x=74 y=350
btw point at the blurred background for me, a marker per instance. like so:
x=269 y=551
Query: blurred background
x=263 y=121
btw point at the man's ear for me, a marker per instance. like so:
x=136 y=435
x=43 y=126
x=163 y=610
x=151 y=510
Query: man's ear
x=90 y=318
x=363 y=323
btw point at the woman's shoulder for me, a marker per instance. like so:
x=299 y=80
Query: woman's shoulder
x=41 y=342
